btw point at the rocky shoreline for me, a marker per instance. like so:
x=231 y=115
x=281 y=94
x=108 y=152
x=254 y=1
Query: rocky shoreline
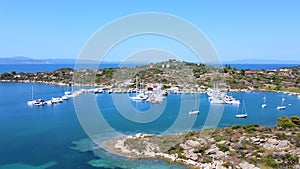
x=245 y=147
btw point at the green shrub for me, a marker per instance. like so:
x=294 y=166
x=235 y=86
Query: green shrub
x=285 y=122
x=181 y=156
x=218 y=139
x=236 y=127
x=251 y=127
x=289 y=159
x=271 y=162
x=227 y=164
x=176 y=150
x=200 y=150
x=207 y=160
x=223 y=147
x=295 y=120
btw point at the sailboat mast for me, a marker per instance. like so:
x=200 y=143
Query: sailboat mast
x=31 y=92
x=136 y=82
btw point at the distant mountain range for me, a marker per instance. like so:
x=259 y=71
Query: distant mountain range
x=27 y=60
x=261 y=61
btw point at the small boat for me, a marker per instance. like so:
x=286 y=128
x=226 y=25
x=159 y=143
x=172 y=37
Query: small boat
x=243 y=114
x=68 y=93
x=216 y=100
x=65 y=97
x=139 y=97
x=264 y=105
x=98 y=90
x=165 y=93
x=39 y=102
x=282 y=107
x=56 y=100
x=194 y=112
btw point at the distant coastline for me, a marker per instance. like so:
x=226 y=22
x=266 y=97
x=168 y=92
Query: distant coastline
x=28 y=60
x=34 y=68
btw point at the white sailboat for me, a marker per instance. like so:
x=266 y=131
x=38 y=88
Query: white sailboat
x=140 y=96
x=195 y=110
x=31 y=102
x=38 y=102
x=282 y=107
x=244 y=112
x=264 y=105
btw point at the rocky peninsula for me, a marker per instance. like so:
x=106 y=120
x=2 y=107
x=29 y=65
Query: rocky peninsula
x=173 y=74
x=245 y=147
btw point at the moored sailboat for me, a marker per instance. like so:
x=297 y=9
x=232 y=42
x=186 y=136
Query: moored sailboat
x=195 y=110
x=264 y=105
x=282 y=107
x=140 y=95
x=244 y=112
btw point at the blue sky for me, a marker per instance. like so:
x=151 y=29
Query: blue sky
x=252 y=29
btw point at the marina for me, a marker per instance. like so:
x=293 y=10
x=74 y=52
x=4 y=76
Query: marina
x=158 y=95
x=61 y=118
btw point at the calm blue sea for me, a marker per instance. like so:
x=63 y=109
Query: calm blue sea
x=41 y=137
x=51 y=67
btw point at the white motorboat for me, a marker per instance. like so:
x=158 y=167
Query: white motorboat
x=216 y=100
x=241 y=115
x=194 y=112
x=39 y=102
x=65 y=97
x=140 y=97
x=56 y=100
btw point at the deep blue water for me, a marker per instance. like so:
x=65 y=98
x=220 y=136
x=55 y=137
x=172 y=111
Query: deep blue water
x=38 y=135
x=51 y=67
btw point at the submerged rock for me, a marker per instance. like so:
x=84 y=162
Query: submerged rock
x=26 y=166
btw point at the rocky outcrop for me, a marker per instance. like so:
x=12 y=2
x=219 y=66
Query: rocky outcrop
x=224 y=149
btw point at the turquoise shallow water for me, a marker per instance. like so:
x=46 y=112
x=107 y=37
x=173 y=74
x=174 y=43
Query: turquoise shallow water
x=41 y=137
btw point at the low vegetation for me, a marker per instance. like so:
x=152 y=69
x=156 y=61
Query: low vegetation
x=253 y=145
x=170 y=73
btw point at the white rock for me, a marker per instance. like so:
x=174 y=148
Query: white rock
x=246 y=165
x=194 y=144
